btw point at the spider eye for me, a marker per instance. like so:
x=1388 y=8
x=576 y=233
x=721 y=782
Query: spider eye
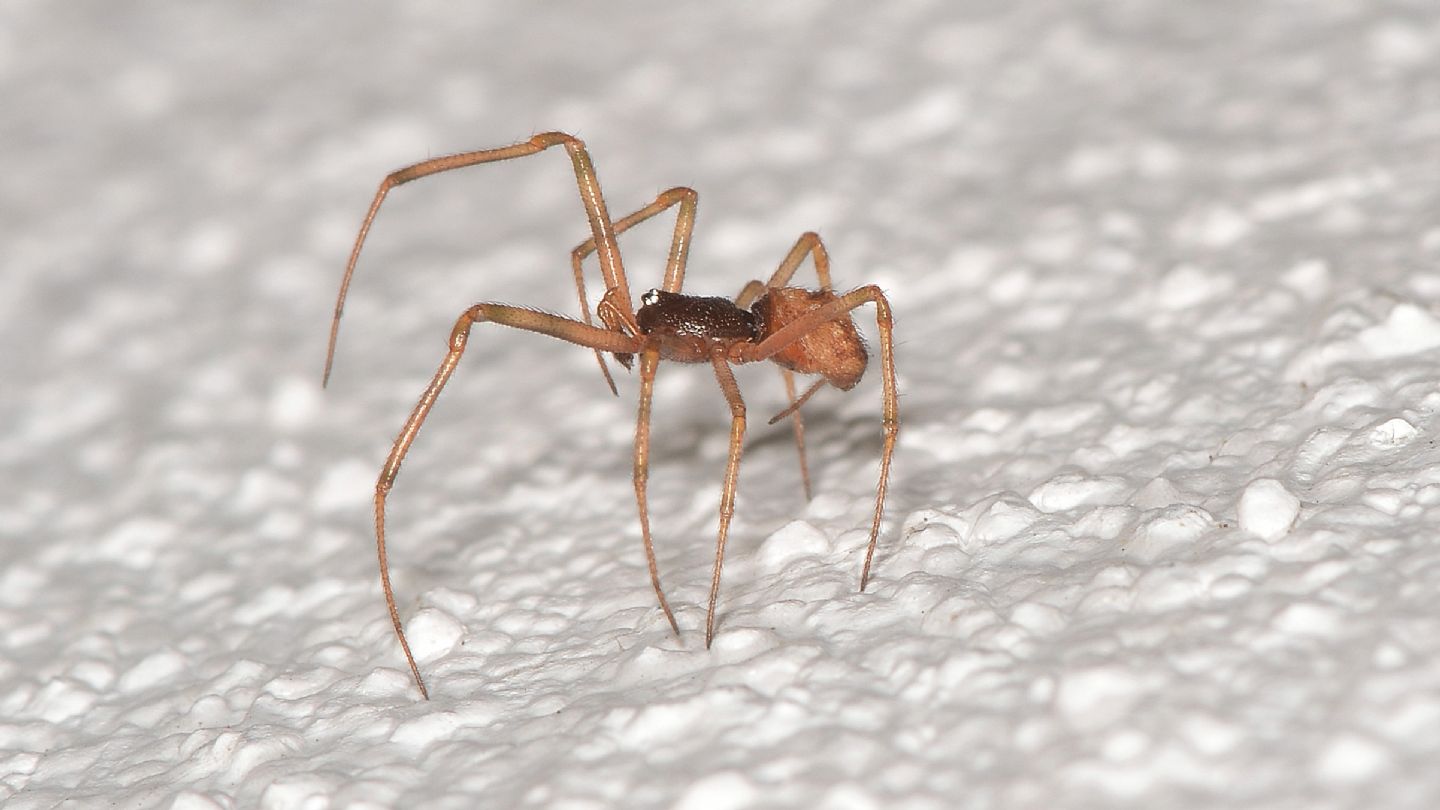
x=650 y=298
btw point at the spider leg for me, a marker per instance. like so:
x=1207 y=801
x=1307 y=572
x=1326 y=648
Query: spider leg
x=649 y=361
x=798 y=423
x=808 y=244
x=890 y=402
x=686 y=198
x=518 y=317
x=796 y=402
x=726 y=378
x=601 y=228
x=752 y=290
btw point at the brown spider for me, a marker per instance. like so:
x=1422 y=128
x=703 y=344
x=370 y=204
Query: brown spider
x=805 y=331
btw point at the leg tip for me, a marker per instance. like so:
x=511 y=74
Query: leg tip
x=669 y=617
x=420 y=683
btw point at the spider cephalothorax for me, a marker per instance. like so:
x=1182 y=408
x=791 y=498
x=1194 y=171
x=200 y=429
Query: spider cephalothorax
x=687 y=326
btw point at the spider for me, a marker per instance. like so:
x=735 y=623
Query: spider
x=801 y=330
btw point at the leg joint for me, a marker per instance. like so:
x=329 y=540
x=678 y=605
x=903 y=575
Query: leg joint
x=548 y=139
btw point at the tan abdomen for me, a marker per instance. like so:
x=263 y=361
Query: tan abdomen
x=833 y=349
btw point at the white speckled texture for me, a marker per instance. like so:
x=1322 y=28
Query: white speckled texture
x=1165 y=525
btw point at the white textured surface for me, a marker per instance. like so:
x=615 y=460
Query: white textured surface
x=1165 y=511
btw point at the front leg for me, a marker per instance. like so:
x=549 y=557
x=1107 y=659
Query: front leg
x=687 y=199
x=602 y=230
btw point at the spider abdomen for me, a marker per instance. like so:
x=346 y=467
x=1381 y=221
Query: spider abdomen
x=833 y=349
